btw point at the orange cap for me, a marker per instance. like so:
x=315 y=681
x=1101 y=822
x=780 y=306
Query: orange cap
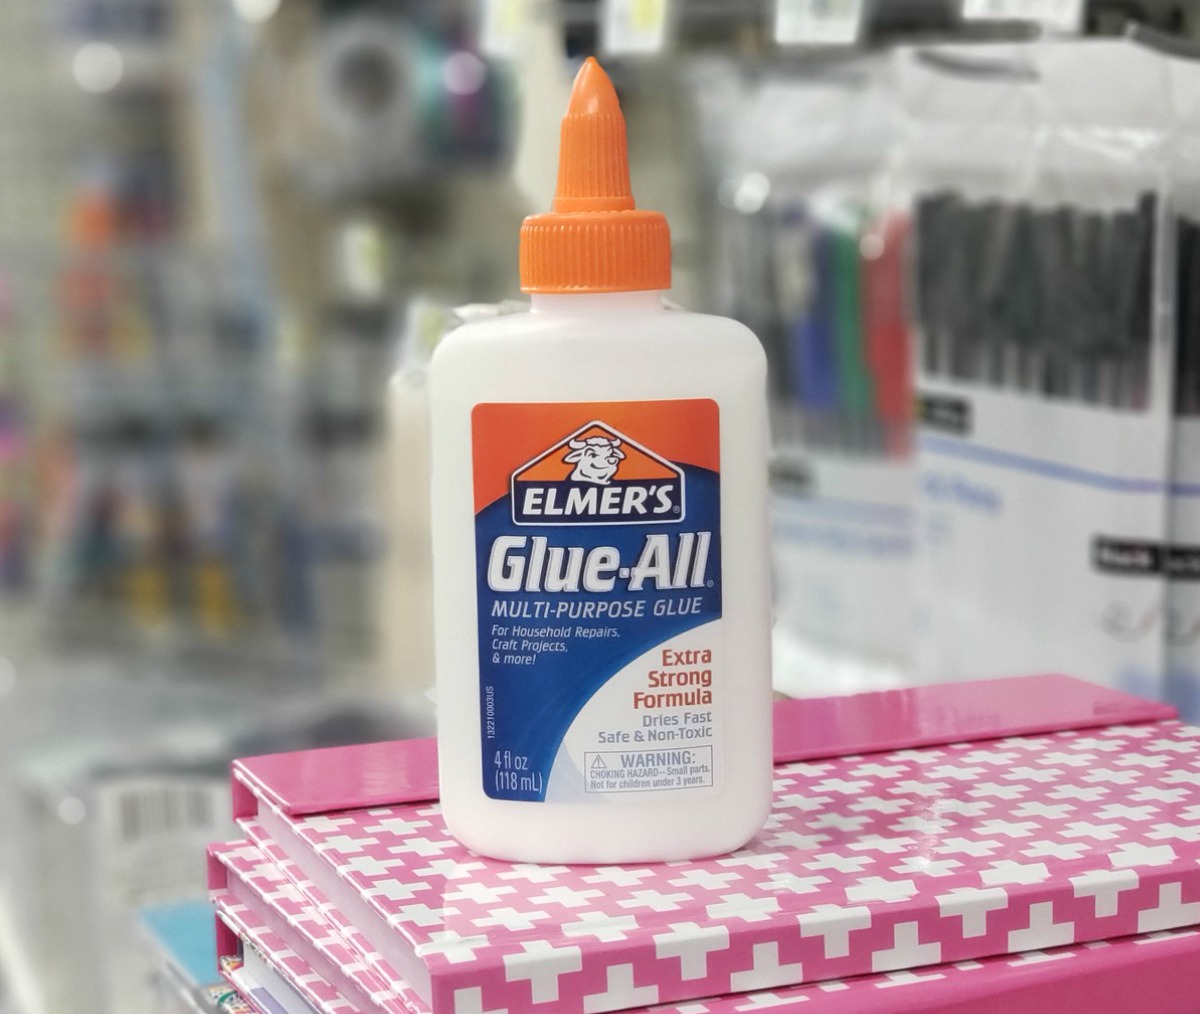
x=594 y=240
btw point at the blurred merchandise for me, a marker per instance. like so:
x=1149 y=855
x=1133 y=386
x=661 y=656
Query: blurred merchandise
x=1042 y=284
x=815 y=252
x=406 y=601
x=103 y=823
x=181 y=938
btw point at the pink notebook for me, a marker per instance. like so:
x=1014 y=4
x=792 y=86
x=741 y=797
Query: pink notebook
x=405 y=771
x=868 y=864
x=1155 y=972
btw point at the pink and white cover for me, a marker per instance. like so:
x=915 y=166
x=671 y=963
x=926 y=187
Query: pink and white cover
x=247 y=925
x=369 y=775
x=1151 y=972
x=868 y=864
x=267 y=882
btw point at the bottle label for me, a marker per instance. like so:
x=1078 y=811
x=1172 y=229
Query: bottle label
x=598 y=571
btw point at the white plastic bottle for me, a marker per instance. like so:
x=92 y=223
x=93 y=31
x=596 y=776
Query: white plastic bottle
x=602 y=613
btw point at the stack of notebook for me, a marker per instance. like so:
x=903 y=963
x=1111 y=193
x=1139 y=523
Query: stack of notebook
x=1032 y=842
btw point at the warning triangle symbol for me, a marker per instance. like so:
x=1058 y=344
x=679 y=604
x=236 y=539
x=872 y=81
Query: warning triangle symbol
x=598 y=764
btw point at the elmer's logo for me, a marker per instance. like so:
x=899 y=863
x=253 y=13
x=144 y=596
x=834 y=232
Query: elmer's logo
x=597 y=476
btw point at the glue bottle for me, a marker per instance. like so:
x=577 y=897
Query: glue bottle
x=600 y=544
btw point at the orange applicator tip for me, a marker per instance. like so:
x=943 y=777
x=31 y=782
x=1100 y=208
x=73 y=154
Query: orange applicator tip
x=594 y=240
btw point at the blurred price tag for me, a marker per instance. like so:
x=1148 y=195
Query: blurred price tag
x=818 y=22
x=1056 y=15
x=634 y=26
x=502 y=26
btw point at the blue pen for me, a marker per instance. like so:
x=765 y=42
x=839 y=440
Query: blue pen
x=813 y=336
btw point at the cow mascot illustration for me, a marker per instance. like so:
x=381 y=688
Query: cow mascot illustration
x=596 y=459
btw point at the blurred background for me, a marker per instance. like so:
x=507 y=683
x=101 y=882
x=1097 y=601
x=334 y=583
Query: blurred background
x=233 y=231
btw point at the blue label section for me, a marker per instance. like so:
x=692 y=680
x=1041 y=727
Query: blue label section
x=563 y=609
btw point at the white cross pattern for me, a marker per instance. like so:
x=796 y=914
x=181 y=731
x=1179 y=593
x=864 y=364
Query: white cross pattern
x=533 y=873
x=840 y=821
x=1028 y=774
x=619 y=876
x=921 y=788
x=367 y=865
x=470 y=1001
x=1109 y=775
x=906 y=951
x=963 y=846
x=965 y=809
x=768 y=970
x=1008 y=872
x=878 y=843
x=452 y=946
x=1064 y=758
x=930 y=867
x=973 y=904
x=999 y=791
x=878 y=889
x=1079 y=792
x=878 y=804
x=1135 y=854
x=1140 y=760
x=997 y=758
x=425 y=846
x=541 y=964
x=451 y=869
x=621 y=993
x=754 y=860
x=921 y=824
x=1158 y=794
x=601 y=926
x=511 y=919
x=395 y=890
x=1056 y=849
x=397 y=826
x=700 y=877
x=1012 y=829
x=843 y=864
x=742 y=906
x=1172 y=911
x=1036 y=808
x=793 y=884
x=345 y=844
x=842 y=786
x=1105 y=887
x=958 y=772
x=655 y=900
x=1042 y=931
x=691 y=944
x=797 y=801
x=834 y=924
x=1175 y=832
x=1086 y=829
x=480 y=893
x=797 y=841
x=873 y=769
x=421 y=915
x=566 y=896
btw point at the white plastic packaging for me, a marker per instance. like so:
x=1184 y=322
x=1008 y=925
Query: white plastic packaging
x=590 y=350
x=601 y=586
